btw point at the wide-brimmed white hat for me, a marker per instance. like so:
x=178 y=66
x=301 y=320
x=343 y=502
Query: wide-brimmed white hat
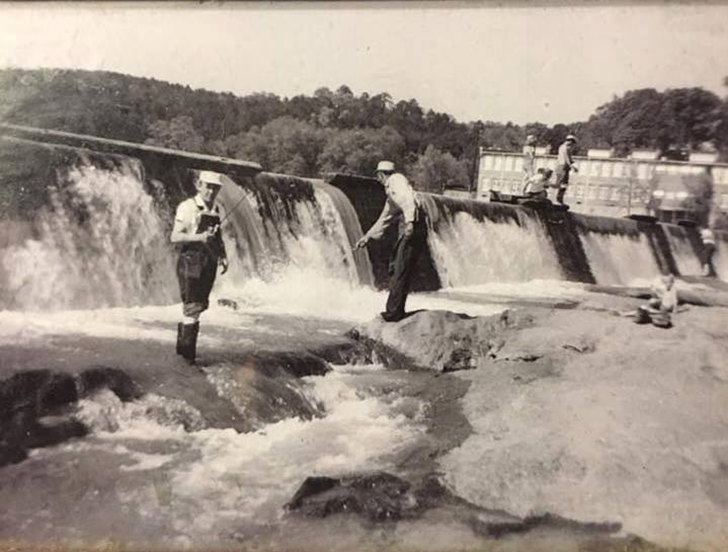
x=385 y=166
x=210 y=177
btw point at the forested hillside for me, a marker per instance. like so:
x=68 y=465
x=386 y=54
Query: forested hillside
x=339 y=130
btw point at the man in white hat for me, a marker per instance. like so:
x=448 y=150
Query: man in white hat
x=197 y=233
x=401 y=205
x=564 y=165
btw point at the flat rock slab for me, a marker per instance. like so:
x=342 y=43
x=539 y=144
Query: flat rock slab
x=438 y=340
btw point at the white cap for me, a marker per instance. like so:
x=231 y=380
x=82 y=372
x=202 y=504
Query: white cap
x=385 y=166
x=570 y=137
x=210 y=177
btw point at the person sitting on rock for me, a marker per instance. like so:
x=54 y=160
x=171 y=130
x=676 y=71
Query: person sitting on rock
x=536 y=185
x=662 y=305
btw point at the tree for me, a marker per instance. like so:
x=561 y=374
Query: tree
x=435 y=170
x=357 y=151
x=179 y=133
x=283 y=145
x=681 y=118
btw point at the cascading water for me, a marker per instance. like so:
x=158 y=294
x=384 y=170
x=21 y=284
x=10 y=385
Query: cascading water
x=470 y=250
x=290 y=251
x=620 y=259
x=687 y=261
x=101 y=242
x=103 y=239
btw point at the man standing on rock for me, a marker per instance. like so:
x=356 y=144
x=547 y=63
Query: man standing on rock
x=564 y=165
x=197 y=233
x=402 y=206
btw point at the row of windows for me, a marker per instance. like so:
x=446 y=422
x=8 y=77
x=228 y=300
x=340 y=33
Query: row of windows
x=580 y=192
x=601 y=168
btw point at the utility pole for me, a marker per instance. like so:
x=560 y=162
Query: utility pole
x=475 y=173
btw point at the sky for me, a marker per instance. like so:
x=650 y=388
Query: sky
x=495 y=62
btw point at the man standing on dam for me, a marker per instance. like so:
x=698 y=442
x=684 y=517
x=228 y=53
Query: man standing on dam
x=197 y=233
x=401 y=206
x=564 y=165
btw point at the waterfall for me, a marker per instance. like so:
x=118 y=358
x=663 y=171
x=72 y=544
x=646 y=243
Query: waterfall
x=618 y=259
x=474 y=244
x=286 y=227
x=102 y=238
x=100 y=242
x=619 y=252
x=688 y=263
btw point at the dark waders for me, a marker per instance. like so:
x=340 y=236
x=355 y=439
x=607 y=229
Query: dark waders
x=196 y=271
x=402 y=265
x=562 y=182
x=708 y=266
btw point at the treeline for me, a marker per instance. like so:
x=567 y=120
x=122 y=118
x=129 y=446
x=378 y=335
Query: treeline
x=338 y=130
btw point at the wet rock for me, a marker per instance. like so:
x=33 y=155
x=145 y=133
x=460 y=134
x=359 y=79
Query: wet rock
x=443 y=341
x=11 y=454
x=113 y=379
x=376 y=497
x=45 y=433
x=38 y=390
x=34 y=407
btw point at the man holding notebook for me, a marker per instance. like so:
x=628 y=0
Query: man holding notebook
x=197 y=233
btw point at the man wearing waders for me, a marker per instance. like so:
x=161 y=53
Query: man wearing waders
x=564 y=165
x=197 y=233
x=401 y=205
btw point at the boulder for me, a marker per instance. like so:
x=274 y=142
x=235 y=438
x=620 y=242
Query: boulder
x=376 y=497
x=34 y=407
x=437 y=340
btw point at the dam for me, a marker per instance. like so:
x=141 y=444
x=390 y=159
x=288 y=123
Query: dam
x=111 y=440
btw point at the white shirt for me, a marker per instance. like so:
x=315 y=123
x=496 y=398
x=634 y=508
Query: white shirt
x=536 y=184
x=564 y=157
x=189 y=213
x=401 y=200
x=668 y=297
x=529 y=160
x=706 y=234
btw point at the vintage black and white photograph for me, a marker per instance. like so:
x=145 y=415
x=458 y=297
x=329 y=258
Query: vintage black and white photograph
x=418 y=276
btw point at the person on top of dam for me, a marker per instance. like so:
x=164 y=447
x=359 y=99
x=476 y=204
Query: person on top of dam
x=707 y=237
x=536 y=185
x=197 y=233
x=401 y=206
x=564 y=165
x=529 y=158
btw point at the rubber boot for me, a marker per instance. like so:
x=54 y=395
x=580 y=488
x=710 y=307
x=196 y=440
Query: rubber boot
x=189 y=341
x=180 y=342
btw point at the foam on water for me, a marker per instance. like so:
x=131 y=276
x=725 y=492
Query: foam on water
x=220 y=477
x=532 y=288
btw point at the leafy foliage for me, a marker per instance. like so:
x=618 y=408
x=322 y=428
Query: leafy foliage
x=338 y=130
x=436 y=170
